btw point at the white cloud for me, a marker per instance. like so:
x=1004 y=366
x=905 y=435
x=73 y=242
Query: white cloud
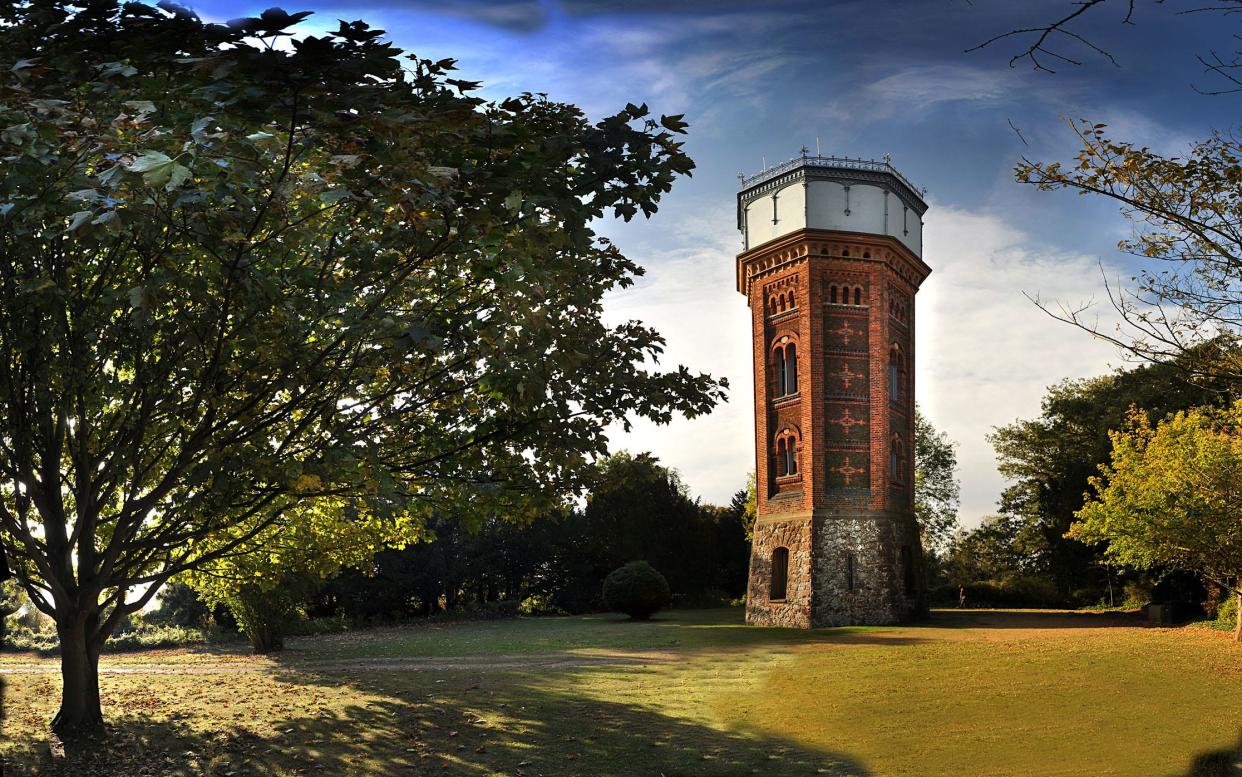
x=689 y=296
x=914 y=90
x=984 y=352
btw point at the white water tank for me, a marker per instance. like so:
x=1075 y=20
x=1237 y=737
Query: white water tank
x=843 y=195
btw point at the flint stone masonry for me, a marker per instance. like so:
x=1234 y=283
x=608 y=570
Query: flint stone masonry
x=843 y=295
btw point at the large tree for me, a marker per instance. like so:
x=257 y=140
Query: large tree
x=1170 y=496
x=236 y=276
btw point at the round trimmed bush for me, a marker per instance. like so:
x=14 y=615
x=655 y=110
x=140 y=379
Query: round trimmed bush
x=636 y=589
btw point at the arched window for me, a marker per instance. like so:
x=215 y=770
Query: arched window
x=850 y=573
x=858 y=295
x=896 y=366
x=785 y=369
x=780 y=575
x=845 y=253
x=791 y=369
x=866 y=254
x=786 y=454
x=896 y=458
x=781 y=297
x=833 y=297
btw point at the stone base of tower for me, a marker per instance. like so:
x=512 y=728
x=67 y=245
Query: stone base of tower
x=843 y=568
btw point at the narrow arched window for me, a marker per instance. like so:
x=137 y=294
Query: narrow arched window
x=786 y=454
x=782 y=374
x=791 y=369
x=858 y=295
x=850 y=573
x=894 y=373
x=780 y=575
x=833 y=291
x=896 y=458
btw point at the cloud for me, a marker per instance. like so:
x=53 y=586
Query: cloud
x=984 y=352
x=689 y=296
x=917 y=89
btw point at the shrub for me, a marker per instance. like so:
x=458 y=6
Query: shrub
x=636 y=589
x=1016 y=591
x=142 y=637
x=180 y=606
x=1137 y=594
x=1227 y=614
x=539 y=604
x=310 y=627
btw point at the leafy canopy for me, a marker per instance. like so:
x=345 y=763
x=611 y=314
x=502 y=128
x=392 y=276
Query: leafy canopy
x=245 y=288
x=937 y=492
x=1169 y=497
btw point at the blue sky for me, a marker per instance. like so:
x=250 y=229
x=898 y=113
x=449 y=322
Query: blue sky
x=760 y=80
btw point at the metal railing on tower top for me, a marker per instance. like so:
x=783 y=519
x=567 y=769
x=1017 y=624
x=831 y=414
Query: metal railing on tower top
x=830 y=162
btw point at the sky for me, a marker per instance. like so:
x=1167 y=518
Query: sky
x=757 y=81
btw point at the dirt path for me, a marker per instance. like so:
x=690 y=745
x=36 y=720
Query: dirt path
x=447 y=663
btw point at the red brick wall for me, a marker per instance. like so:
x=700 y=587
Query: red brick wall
x=841 y=413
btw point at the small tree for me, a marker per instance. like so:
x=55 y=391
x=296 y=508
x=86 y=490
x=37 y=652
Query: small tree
x=636 y=589
x=1170 y=496
x=308 y=544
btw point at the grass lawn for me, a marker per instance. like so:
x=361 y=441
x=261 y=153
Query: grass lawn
x=692 y=693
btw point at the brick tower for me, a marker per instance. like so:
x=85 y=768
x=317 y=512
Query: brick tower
x=830 y=263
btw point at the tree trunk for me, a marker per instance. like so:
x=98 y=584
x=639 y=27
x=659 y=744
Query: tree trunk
x=80 y=716
x=1237 y=629
x=267 y=638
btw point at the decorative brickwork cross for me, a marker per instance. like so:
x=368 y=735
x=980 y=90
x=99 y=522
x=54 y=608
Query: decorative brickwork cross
x=848 y=471
x=847 y=420
x=847 y=378
x=845 y=331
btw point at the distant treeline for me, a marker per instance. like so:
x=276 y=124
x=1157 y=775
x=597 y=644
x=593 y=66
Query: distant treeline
x=1022 y=556
x=639 y=509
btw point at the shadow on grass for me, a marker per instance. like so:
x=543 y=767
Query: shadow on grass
x=1031 y=619
x=1219 y=763
x=450 y=723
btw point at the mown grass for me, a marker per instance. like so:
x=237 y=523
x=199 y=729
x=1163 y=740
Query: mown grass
x=967 y=694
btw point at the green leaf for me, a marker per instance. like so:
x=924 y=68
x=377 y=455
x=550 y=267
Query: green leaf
x=159 y=170
x=140 y=107
x=78 y=219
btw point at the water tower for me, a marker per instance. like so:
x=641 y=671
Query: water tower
x=830 y=264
